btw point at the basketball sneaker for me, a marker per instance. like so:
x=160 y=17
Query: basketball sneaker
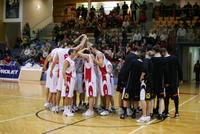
x=123 y=116
x=160 y=117
x=46 y=105
x=166 y=115
x=142 y=119
x=176 y=115
x=104 y=113
x=129 y=112
x=88 y=113
x=53 y=109
x=121 y=111
x=112 y=110
x=148 y=118
x=134 y=115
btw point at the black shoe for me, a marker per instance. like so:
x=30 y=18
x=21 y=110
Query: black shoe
x=112 y=110
x=160 y=117
x=134 y=115
x=151 y=114
x=176 y=115
x=123 y=116
x=84 y=105
x=166 y=115
x=155 y=111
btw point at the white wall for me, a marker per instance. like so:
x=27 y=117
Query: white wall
x=34 y=15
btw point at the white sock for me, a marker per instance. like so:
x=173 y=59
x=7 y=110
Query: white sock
x=152 y=105
x=161 y=105
x=65 y=108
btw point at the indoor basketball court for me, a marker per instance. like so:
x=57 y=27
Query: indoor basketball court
x=22 y=112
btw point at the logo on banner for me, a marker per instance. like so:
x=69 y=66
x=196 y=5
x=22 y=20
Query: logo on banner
x=10 y=72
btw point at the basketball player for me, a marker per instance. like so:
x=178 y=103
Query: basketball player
x=123 y=77
x=174 y=77
x=159 y=67
x=61 y=55
x=48 y=78
x=90 y=79
x=69 y=76
x=132 y=90
x=109 y=69
x=79 y=63
x=101 y=61
x=146 y=87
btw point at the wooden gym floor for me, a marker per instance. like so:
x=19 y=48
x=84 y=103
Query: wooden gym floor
x=22 y=112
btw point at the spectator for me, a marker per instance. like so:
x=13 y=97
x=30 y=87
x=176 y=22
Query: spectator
x=196 y=9
x=181 y=34
x=118 y=8
x=6 y=61
x=125 y=9
x=26 y=30
x=101 y=10
x=126 y=23
x=164 y=38
x=34 y=35
x=137 y=37
x=78 y=11
x=143 y=19
x=18 y=42
x=134 y=6
x=41 y=61
x=144 y=7
x=33 y=52
x=45 y=53
x=197 y=70
x=6 y=52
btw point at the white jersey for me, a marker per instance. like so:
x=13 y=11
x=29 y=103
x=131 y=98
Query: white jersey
x=53 y=54
x=71 y=75
x=103 y=77
x=90 y=78
x=62 y=56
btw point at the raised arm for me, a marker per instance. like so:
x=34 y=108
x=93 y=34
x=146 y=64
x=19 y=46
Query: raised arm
x=81 y=44
x=80 y=53
x=99 y=62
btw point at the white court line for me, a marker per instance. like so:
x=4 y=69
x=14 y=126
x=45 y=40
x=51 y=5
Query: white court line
x=143 y=126
x=26 y=97
x=19 y=117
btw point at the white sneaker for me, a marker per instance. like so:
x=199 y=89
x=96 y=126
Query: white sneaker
x=61 y=109
x=88 y=113
x=129 y=112
x=57 y=109
x=53 y=109
x=142 y=119
x=104 y=113
x=65 y=113
x=69 y=113
x=121 y=111
x=46 y=105
x=148 y=118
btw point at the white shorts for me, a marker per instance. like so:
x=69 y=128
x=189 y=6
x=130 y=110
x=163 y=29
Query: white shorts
x=48 y=78
x=105 y=87
x=53 y=82
x=79 y=83
x=60 y=81
x=68 y=91
x=91 y=88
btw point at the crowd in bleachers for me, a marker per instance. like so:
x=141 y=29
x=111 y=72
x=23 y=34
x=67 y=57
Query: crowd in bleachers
x=115 y=33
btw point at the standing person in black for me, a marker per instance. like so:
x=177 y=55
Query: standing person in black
x=132 y=90
x=118 y=9
x=146 y=88
x=123 y=75
x=134 y=6
x=174 y=76
x=197 y=70
x=125 y=9
x=158 y=79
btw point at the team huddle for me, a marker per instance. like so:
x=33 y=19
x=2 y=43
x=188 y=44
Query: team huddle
x=86 y=70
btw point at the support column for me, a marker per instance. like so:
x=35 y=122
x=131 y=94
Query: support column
x=89 y=6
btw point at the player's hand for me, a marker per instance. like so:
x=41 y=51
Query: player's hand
x=141 y=78
x=51 y=74
x=180 y=82
x=44 y=69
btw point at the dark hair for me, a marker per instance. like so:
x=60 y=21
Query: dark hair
x=87 y=52
x=61 y=44
x=95 y=46
x=156 y=48
x=140 y=50
x=106 y=55
x=163 y=50
x=71 y=51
